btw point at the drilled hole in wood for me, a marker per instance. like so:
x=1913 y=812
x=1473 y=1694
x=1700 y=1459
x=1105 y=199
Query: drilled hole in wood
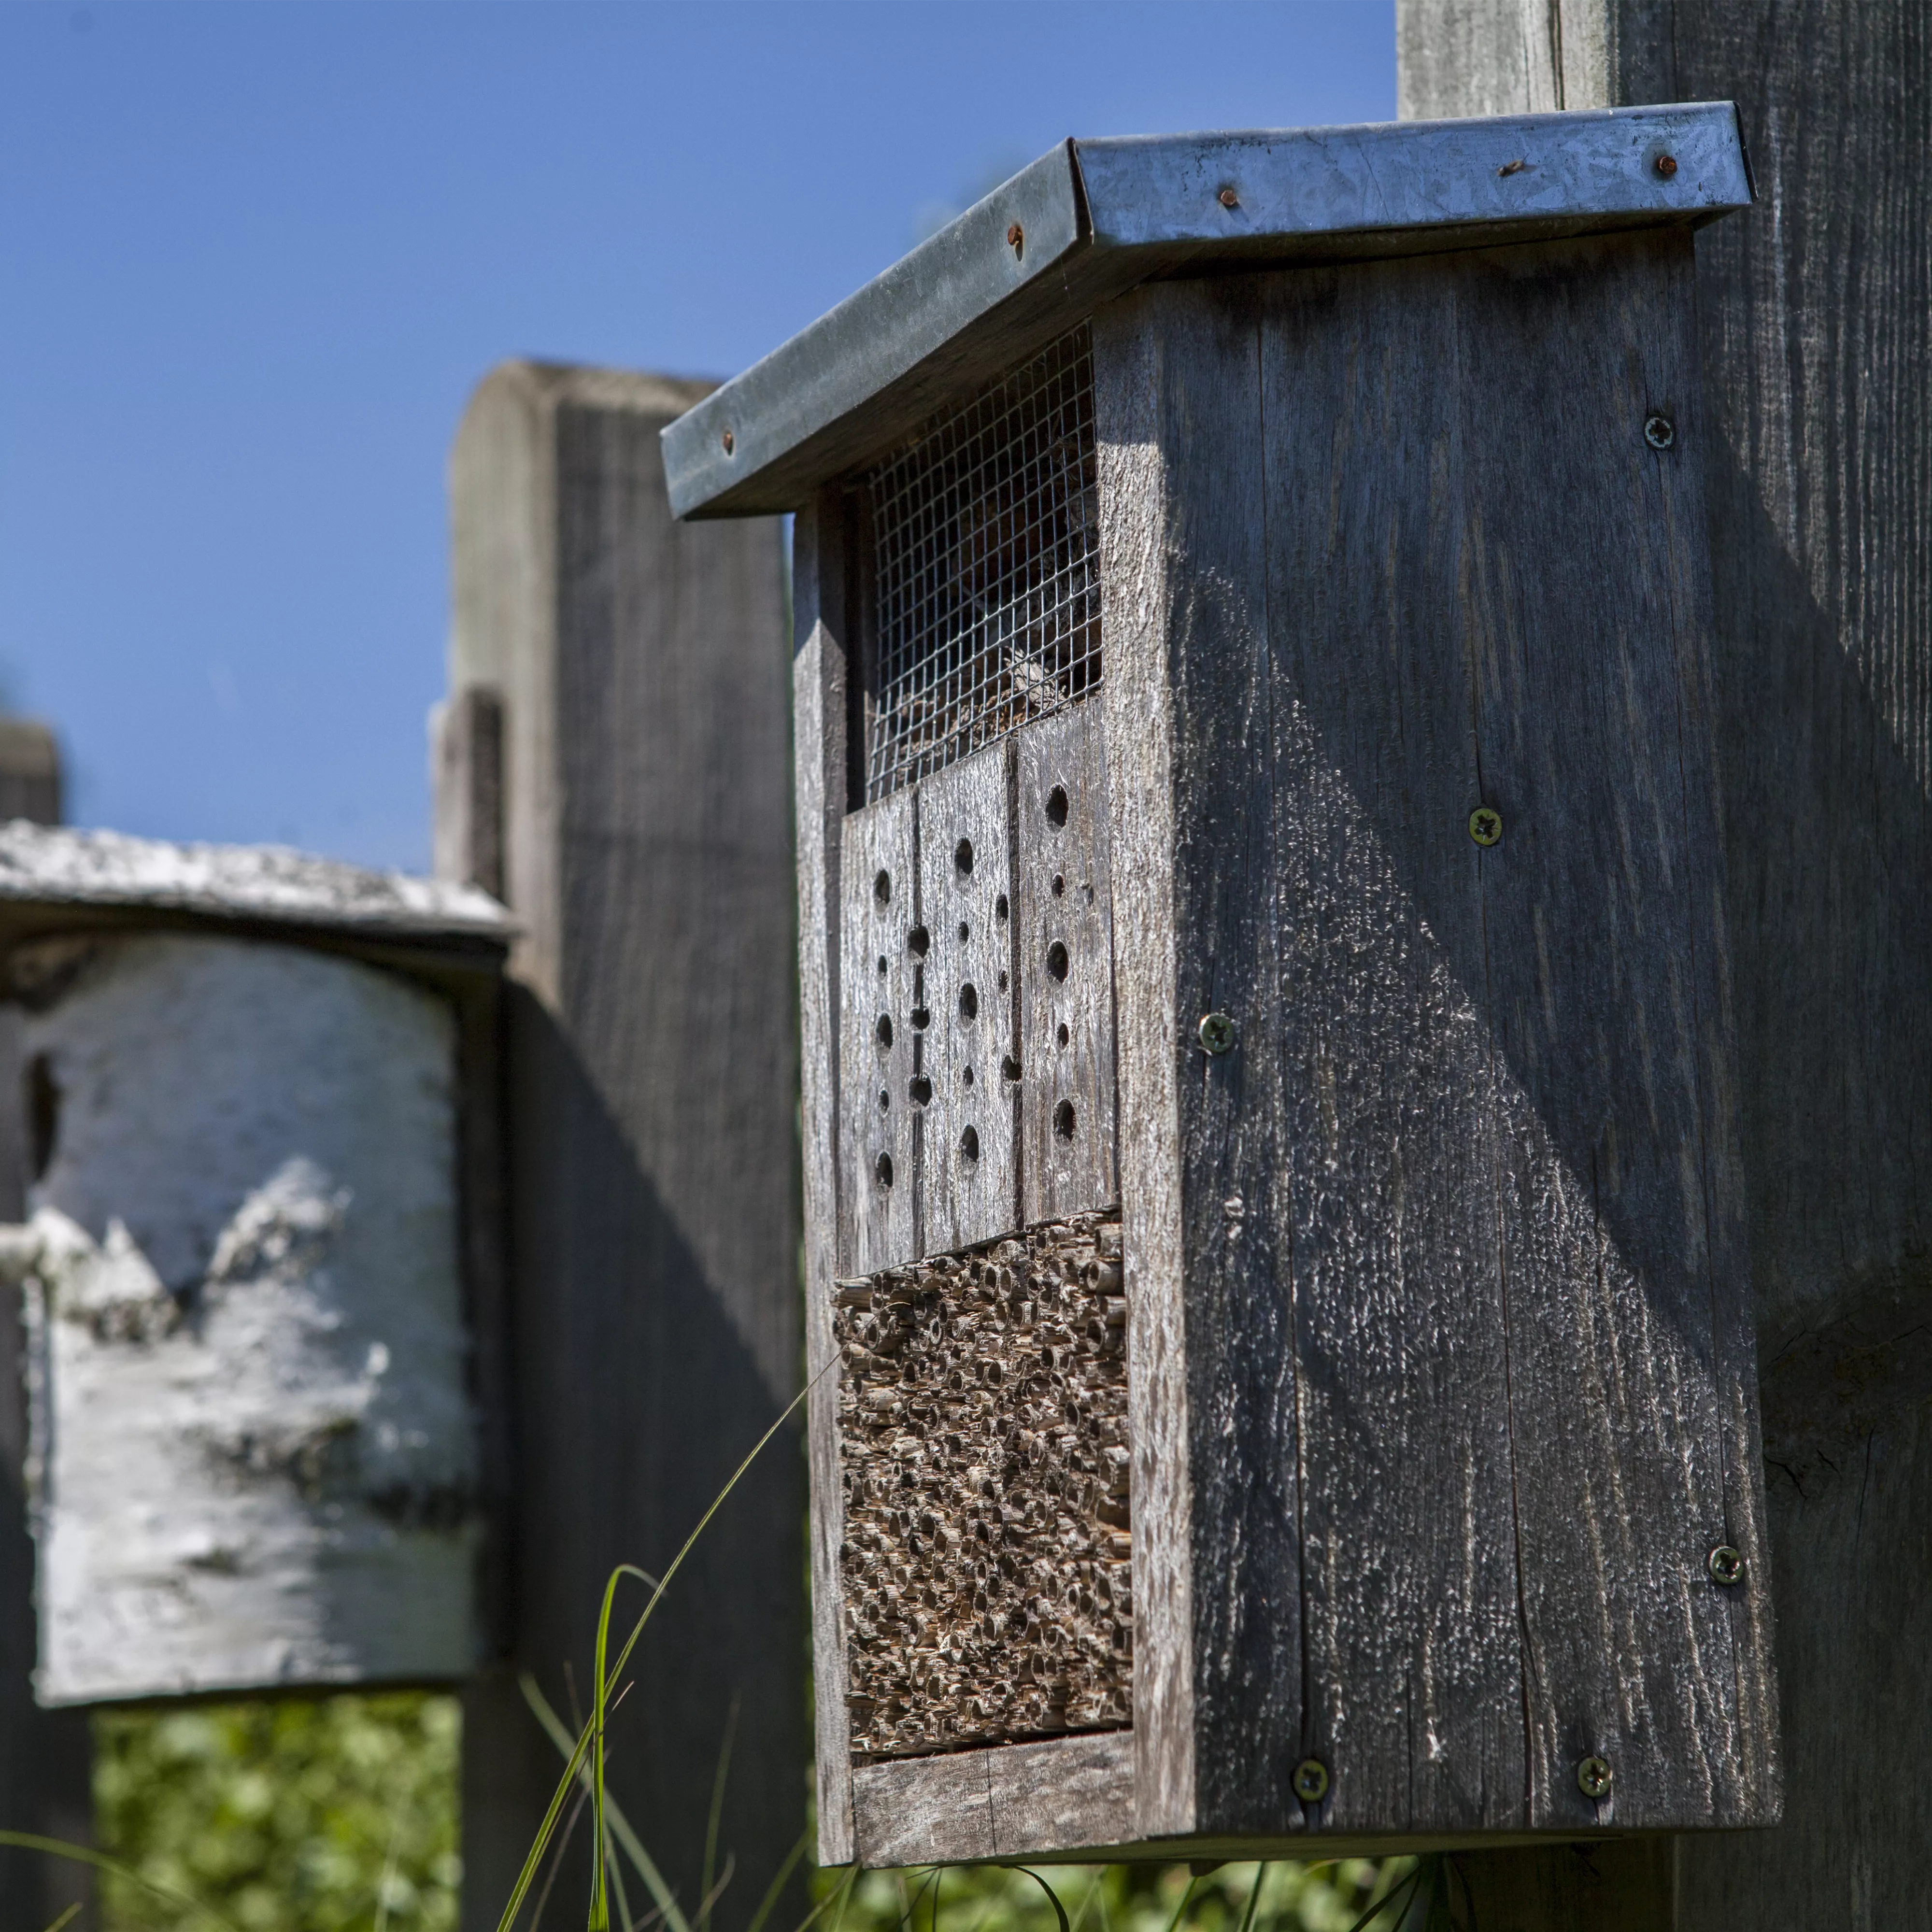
x=1056 y=960
x=969 y=1000
x=921 y=1090
x=1056 y=805
x=885 y=1101
x=883 y=967
x=962 y=858
x=969 y=1142
x=882 y=888
x=1063 y=1120
x=1010 y=1068
x=882 y=1168
x=919 y=939
x=884 y=1031
x=1000 y=906
x=966 y=1078
x=1059 y=885
x=1063 y=1036
x=1003 y=982
x=921 y=1019
x=965 y=931
x=43 y=1112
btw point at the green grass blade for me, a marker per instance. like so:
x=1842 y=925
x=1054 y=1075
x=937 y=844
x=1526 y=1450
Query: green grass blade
x=715 y=1816
x=1059 y=1910
x=73 y=1912
x=1254 y=1898
x=85 y=1855
x=778 y=1884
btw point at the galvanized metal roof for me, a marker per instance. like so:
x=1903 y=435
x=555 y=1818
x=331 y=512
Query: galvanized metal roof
x=1093 y=218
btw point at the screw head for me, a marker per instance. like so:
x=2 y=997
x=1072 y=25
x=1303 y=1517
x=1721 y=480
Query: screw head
x=1016 y=238
x=1726 y=1564
x=1217 y=1032
x=1666 y=165
x=1486 y=825
x=1659 y=432
x=1311 y=1780
x=1227 y=198
x=1593 y=1777
x=729 y=441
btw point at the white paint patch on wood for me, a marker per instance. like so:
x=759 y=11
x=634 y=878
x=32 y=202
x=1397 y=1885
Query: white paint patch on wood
x=254 y=1460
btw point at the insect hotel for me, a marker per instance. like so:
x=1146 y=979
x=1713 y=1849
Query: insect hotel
x=256 y=1233
x=1282 y=1332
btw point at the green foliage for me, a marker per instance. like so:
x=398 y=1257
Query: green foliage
x=1293 y=1897
x=329 y=1814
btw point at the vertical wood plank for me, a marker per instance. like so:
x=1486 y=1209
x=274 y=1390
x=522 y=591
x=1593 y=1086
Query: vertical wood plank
x=650 y=1042
x=969 y=1168
x=1138 y=717
x=879 y=1127
x=1410 y=1609
x=468 y=832
x=1064 y=951
x=819 y=674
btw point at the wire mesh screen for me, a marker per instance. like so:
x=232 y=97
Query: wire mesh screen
x=988 y=597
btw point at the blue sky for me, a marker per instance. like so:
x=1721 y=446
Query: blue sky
x=256 y=256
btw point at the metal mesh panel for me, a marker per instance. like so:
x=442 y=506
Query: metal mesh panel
x=988 y=596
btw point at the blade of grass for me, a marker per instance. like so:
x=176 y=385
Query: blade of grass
x=620 y=1826
x=1053 y=1896
x=72 y=1912
x=1254 y=1898
x=600 y=1848
x=85 y=1854
x=778 y=1884
x=1377 y=1906
x=711 y=1823
x=556 y=1863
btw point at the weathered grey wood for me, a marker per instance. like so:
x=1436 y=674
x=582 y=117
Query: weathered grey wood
x=1063 y=897
x=880 y=1130
x=969 y=1154
x=1064 y=1795
x=650 y=1061
x=1815 y=320
x=30 y=772
x=819 y=699
x=1138 y=721
x=467 y=732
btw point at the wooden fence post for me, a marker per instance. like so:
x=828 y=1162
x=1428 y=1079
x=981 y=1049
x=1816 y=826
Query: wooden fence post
x=1817 y=317
x=45 y=1757
x=614 y=759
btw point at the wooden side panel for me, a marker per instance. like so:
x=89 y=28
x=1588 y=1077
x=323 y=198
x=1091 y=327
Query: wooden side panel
x=1064 y=914
x=878 y=1123
x=819 y=670
x=963 y=1004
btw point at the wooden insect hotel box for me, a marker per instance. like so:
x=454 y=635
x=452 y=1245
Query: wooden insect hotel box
x=249 y=1093
x=1284 y=1364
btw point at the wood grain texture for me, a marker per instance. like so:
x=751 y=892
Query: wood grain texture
x=819 y=701
x=1138 y=720
x=1065 y=1794
x=467 y=835
x=880 y=1130
x=1064 y=947
x=969 y=1181
x=1815 y=310
x=651 y=1042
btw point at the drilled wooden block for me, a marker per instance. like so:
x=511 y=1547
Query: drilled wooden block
x=983 y=1433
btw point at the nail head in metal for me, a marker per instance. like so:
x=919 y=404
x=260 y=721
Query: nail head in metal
x=1659 y=432
x=1726 y=1564
x=1227 y=198
x=1666 y=165
x=1311 y=1780
x=729 y=440
x=1486 y=825
x=1593 y=1777
x=1217 y=1032
x=1016 y=237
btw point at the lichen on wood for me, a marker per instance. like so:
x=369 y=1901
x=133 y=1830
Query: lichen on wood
x=983 y=1438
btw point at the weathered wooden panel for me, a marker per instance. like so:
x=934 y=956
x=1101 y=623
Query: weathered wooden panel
x=819 y=693
x=1064 y=949
x=982 y=1437
x=965 y=1083
x=879 y=1126
x=255 y=1462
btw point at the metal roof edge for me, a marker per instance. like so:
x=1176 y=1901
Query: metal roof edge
x=1096 y=217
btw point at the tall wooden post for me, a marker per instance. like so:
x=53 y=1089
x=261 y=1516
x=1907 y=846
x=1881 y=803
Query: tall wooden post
x=615 y=760
x=1816 y=316
x=45 y=1757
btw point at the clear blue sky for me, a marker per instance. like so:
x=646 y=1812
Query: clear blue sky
x=257 y=256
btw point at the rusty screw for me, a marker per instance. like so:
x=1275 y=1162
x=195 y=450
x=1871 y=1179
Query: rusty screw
x=1217 y=1032
x=729 y=440
x=1486 y=825
x=1227 y=198
x=1726 y=1565
x=1666 y=165
x=1593 y=1777
x=1311 y=1780
x=1016 y=238
x=1659 y=432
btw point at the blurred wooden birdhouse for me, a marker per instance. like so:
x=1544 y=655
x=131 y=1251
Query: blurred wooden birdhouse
x=255 y=1093
x=1275 y=1264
